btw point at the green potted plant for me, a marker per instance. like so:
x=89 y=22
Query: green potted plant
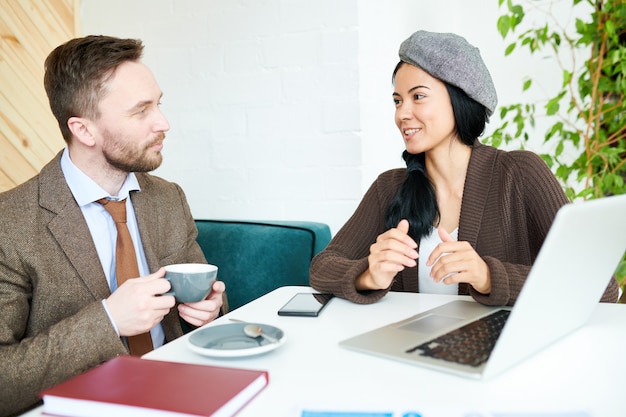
x=586 y=118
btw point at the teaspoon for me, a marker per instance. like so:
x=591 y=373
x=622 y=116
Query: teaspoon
x=254 y=331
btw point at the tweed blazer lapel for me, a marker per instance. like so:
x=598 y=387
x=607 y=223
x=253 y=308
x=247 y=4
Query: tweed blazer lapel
x=147 y=216
x=147 y=206
x=66 y=223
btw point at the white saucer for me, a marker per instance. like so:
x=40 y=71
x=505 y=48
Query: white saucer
x=229 y=341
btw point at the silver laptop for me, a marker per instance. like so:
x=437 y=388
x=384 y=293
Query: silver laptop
x=583 y=248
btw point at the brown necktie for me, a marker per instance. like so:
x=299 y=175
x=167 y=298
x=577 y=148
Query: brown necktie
x=126 y=266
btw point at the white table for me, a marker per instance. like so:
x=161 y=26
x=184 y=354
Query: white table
x=583 y=372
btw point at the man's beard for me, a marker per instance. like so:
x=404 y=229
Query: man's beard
x=127 y=158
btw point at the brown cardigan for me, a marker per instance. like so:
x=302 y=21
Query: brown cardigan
x=509 y=202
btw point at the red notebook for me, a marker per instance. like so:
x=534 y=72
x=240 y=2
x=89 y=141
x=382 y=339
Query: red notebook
x=130 y=386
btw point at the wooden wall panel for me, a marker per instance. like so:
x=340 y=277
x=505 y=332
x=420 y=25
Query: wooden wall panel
x=29 y=134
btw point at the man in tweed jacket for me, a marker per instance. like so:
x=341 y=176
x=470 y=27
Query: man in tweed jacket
x=60 y=311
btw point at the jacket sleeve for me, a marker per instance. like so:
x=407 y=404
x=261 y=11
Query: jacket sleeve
x=35 y=362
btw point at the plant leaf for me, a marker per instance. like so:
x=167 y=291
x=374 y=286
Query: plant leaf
x=510 y=49
x=504 y=24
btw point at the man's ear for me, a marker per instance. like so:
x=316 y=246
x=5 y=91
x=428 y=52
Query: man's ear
x=81 y=129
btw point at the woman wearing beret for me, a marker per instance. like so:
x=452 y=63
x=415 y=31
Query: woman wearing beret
x=463 y=217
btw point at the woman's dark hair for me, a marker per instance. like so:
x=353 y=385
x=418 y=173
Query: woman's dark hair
x=470 y=117
x=416 y=200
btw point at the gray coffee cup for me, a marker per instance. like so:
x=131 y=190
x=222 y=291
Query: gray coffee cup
x=190 y=282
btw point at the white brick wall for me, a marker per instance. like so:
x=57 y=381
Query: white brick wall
x=281 y=109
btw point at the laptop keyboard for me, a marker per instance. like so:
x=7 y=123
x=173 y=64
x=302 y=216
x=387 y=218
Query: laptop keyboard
x=467 y=345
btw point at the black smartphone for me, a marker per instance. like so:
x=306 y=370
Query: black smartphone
x=305 y=304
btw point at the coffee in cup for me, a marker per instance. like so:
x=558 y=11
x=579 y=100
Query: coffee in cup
x=190 y=282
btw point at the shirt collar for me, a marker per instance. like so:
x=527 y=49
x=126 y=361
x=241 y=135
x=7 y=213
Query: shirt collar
x=86 y=190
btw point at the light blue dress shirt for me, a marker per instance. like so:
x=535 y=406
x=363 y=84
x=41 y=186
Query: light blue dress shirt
x=102 y=227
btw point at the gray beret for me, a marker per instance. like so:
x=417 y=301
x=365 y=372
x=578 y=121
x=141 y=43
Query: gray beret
x=452 y=59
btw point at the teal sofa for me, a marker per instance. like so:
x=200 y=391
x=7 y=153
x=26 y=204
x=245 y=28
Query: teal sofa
x=256 y=257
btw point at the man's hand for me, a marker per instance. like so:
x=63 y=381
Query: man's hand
x=205 y=311
x=137 y=305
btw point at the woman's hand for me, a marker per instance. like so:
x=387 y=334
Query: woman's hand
x=393 y=251
x=454 y=262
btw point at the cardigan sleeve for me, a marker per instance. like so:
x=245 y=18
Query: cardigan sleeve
x=335 y=269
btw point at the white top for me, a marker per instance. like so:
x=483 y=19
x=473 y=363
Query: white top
x=426 y=284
